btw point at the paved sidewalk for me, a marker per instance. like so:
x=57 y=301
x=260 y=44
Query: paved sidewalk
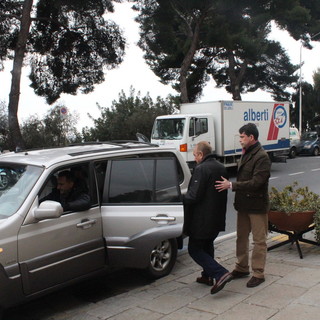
x=291 y=291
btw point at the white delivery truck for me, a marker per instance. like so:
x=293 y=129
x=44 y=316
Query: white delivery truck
x=218 y=123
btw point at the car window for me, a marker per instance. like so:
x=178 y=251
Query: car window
x=167 y=155
x=309 y=136
x=166 y=181
x=142 y=181
x=77 y=195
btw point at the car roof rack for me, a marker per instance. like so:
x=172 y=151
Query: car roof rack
x=117 y=144
x=120 y=143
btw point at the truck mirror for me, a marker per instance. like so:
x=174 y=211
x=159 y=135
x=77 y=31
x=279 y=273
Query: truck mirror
x=48 y=210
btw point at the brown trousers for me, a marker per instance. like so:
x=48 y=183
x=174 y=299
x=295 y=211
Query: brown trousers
x=257 y=224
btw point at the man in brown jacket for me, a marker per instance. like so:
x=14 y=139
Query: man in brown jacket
x=252 y=204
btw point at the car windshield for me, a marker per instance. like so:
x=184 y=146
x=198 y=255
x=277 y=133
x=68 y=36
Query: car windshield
x=309 y=136
x=16 y=182
x=171 y=129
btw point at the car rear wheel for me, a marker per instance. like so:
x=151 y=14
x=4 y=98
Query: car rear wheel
x=162 y=258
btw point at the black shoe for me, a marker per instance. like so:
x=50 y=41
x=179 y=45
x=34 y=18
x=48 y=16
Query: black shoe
x=238 y=274
x=254 y=282
x=205 y=280
x=227 y=277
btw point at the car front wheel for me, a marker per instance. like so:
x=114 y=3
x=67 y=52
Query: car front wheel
x=292 y=153
x=316 y=151
x=162 y=258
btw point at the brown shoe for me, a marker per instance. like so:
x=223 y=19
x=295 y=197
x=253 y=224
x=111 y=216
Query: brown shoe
x=254 y=282
x=220 y=284
x=238 y=274
x=205 y=280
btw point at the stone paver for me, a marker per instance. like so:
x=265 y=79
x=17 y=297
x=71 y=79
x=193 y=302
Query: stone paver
x=302 y=277
x=218 y=303
x=298 y=312
x=276 y=296
x=246 y=311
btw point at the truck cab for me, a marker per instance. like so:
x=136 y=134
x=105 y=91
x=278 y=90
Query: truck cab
x=183 y=132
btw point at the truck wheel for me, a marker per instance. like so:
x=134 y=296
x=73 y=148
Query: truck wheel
x=316 y=151
x=292 y=153
x=271 y=156
x=162 y=258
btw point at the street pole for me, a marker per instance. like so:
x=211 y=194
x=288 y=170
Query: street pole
x=300 y=92
x=300 y=85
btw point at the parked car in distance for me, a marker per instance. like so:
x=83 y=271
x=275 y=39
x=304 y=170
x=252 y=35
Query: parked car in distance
x=294 y=142
x=309 y=144
x=133 y=216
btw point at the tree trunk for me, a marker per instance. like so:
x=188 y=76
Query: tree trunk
x=15 y=137
x=187 y=62
x=235 y=80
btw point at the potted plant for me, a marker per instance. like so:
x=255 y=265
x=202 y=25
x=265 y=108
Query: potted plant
x=294 y=209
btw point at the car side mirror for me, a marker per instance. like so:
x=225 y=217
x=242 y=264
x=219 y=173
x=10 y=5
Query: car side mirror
x=48 y=210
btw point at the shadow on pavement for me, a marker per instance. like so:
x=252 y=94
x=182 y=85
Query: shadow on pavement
x=89 y=291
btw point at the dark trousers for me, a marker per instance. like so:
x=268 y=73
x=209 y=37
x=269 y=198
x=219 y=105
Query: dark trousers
x=202 y=252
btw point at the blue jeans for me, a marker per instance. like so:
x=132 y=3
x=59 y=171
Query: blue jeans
x=202 y=252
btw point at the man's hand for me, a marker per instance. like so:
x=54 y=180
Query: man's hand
x=224 y=184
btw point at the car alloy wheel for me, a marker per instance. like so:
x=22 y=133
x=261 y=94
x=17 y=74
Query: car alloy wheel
x=162 y=258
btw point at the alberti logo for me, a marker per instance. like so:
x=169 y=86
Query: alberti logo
x=279 y=116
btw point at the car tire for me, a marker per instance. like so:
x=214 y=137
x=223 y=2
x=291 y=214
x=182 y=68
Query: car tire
x=315 y=151
x=292 y=153
x=162 y=259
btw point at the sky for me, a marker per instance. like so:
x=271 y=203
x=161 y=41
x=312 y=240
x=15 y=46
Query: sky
x=134 y=72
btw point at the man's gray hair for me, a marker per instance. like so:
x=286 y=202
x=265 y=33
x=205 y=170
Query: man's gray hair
x=204 y=147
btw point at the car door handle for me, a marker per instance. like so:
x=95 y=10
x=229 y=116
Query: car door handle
x=86 y=223
x=163 y=217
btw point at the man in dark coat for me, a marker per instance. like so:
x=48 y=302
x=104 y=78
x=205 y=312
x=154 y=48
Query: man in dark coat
x=73 y=196
x=252 y=203
x=205 y=216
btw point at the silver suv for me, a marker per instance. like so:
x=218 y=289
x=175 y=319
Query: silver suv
x=134 y=217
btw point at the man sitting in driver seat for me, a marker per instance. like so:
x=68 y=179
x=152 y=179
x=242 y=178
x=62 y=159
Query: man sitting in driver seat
x=72 y=196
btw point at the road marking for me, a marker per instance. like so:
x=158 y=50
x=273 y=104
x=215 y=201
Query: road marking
x=294 y=174
x=316 y=169
x=272 y=178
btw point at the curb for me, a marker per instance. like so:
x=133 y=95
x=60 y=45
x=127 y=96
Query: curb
x=226 y=237
x=220 y=239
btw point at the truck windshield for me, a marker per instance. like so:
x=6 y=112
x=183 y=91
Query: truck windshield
x=16 y=182
x=170 y=129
